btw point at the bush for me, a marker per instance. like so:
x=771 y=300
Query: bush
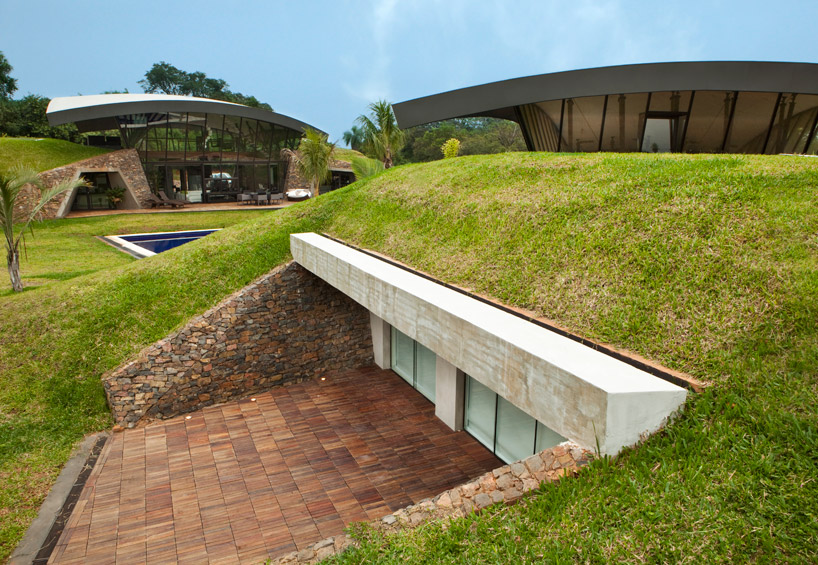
x=451 y=148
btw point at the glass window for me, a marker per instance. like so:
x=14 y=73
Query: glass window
x=793 y=122
x=515 y=432
x=674 y=101
x=481 y=409
x=623 y=122
x=582 y=122
x=546 y=437
x=708 y=121
x=542 y=121
x=403 y=356
x=426 y=371
x=751 y=122
x=657 y=135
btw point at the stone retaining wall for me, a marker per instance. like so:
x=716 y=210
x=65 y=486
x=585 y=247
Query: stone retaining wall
x=286 y=327
x=125 y=162
x=505 y=484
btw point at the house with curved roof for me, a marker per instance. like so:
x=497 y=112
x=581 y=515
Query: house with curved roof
x=195 y=149
x=691 y=107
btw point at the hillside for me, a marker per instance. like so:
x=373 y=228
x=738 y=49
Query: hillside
x=708 y=264
x=42 y=154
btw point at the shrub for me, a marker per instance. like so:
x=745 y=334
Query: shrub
x=451 y=148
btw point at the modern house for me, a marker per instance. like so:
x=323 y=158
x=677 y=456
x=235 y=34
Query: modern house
x=200 y=149
x=690 y=107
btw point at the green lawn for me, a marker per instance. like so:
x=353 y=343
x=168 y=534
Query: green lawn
x=42 y=154
x=708 y=264
x=64 y=249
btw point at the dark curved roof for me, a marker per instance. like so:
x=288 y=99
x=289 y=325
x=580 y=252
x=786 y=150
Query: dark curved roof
x=499 y=98
x=98 y=112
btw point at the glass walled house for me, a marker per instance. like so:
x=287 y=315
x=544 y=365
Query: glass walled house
x=204 y=150
x=697 y=107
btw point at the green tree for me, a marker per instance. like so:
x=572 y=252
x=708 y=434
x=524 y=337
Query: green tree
x=167 y=79
x=11 y=188
x=8 y=85
x=354 y=138
x=382 y=136
x=314 y=154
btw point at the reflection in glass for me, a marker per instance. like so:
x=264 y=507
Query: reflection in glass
x=623 y=122
x=708 y=121
x=794 y=120
x=403 y=356
x=751 y=122
x=515 y=432
x=426 y=371
x=481 y=407
x=542 y=123
x=582 y=122
x=546 y=437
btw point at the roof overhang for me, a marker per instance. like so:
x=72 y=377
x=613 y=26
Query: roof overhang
x=99 y=111
x=498 y=99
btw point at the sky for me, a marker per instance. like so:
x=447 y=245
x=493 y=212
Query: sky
x=323 y=62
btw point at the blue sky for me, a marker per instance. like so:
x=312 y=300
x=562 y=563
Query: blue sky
x=324 y=61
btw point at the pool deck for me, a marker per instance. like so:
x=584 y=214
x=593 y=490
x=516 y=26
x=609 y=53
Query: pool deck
x=255 y=479
x=220 y=207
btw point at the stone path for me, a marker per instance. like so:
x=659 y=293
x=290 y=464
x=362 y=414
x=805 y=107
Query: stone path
x=249 y=480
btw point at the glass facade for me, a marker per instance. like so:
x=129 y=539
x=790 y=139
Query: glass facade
x=416 y=364
x=502 y=427
x=702 y=121
x=208 y=157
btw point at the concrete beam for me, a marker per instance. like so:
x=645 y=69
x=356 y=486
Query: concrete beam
x=381 y=341
x=578 y=392
x=450 y=394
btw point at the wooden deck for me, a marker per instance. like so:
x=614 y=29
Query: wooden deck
x=252 y=479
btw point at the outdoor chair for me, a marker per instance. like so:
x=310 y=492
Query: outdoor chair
x=262 y=197
x=246 y=197
x=170 y=201
x=155 y=201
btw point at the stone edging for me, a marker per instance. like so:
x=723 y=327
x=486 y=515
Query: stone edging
x=504 y=484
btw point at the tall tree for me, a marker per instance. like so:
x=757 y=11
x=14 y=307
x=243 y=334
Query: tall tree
x=8 y=85
x=167 y=79
x=314 y=154
x=354 y=138
x=11 y=188
x=382 y=136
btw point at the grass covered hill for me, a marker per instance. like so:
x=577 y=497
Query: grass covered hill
x=42 y=154
x=708 y=264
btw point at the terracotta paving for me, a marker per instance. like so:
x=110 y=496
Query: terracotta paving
x=248 y=480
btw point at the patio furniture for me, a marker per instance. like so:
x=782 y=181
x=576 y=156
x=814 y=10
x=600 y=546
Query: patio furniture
x=246 y=197
x=171 y=201
x=262 y=197
x=276 y=196
x=155 y=201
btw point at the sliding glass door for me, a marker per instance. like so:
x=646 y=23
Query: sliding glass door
x=415 y=363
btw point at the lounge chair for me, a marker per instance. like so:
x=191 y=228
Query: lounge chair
x=171 y=201
x=155 y=202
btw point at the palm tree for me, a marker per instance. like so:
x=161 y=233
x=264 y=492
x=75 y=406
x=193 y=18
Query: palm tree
x=314 y=154
x=11 y=188
x=354 y=138
x=382 y=136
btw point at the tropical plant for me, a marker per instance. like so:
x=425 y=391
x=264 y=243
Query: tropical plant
x=354 y=138
x=313 y=158
x=450 y=148
x=382 y=136
x=12 y=185
x=364 y=167
x=115 y=195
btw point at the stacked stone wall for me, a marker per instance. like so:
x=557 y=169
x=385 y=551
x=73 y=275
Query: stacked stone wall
x=294 y=179
x=125 y=162
x=286 y=327
x=506 y=484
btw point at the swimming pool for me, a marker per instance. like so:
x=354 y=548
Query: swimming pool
x=147 y=244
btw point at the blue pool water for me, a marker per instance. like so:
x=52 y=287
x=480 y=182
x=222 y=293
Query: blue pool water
x=147 y=244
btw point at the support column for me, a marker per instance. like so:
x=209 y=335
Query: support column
x=450 y=392
x=381 y=341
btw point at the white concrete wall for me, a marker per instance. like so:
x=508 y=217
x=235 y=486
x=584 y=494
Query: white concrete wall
x=576 y=391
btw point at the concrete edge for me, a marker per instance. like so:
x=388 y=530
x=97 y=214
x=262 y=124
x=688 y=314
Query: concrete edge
x=55 y=503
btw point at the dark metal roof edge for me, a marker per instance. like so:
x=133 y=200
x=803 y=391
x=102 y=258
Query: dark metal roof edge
x=112 y=109
x=759 y=76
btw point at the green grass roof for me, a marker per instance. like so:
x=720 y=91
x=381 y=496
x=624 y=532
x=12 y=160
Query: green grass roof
x=42 y=154
x=707 y=264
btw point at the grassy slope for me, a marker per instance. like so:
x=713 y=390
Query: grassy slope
x=707 y=264
x=42 y=154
